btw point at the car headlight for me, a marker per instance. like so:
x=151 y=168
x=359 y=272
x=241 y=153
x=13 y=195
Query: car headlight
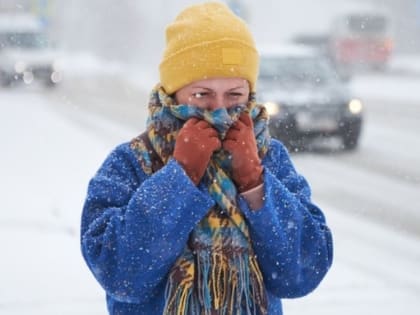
x=355 y=106
x=28 y=77
x=272 y=108
x=20 y=67
x=56 y=77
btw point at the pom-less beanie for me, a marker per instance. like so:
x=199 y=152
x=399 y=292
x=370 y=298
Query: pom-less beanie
x=207 y=41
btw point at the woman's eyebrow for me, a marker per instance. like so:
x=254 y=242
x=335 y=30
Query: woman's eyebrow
x=238 y=87
x=210 y=89
x=202 y=87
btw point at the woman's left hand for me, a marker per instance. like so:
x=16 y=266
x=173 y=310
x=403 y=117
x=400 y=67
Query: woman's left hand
x=241 y=144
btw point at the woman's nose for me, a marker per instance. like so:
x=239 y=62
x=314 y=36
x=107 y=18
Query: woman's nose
x=217 y=102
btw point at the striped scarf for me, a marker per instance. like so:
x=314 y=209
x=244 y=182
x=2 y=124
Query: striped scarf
x=217 y=272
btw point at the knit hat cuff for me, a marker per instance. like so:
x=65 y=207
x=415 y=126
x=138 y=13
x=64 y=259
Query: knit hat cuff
x=211 y=59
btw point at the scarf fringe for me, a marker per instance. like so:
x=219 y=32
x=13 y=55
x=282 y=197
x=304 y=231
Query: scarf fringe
x=226 y=287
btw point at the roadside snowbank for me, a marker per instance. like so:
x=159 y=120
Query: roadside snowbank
x=46 y=163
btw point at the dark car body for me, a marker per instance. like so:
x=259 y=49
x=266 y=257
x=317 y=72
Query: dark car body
x=306 y=98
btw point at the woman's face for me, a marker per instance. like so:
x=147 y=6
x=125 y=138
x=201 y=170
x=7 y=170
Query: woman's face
x=214 y=93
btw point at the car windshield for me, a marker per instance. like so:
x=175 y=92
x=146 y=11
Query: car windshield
x=25 y=40
x=367 y=24
x=296 y=70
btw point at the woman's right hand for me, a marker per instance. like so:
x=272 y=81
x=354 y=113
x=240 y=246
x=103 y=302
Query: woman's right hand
x=195 y=144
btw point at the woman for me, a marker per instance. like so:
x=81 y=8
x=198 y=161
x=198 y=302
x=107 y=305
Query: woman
x=204 y=213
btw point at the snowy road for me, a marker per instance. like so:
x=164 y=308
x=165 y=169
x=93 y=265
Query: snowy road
x=381 y=180
x=53 y=143
x=371 y=200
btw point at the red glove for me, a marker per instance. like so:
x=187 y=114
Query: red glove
x=194 y=146
x=241 y=144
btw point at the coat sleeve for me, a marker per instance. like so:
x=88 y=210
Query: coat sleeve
x=135 y=226
x=290 y=237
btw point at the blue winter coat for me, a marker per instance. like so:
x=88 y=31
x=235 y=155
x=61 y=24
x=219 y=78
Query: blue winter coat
x=134 y=227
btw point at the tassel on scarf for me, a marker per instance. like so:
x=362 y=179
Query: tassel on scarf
x=226 y=288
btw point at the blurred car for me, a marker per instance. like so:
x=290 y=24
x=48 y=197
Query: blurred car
x=361 y=40
x=306 y=99
x=25 y=52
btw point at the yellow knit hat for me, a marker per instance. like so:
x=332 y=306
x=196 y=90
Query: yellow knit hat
x=207 y=41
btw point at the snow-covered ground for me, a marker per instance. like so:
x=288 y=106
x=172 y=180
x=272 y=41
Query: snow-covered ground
x=374 y=272
x=49 y=154
x=46 y=162
x=380 y=87
x=400 y=82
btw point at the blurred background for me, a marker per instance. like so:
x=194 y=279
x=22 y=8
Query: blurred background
x=340 y=79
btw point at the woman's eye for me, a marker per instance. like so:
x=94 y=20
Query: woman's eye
x=235 y=94
x=199 y=94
